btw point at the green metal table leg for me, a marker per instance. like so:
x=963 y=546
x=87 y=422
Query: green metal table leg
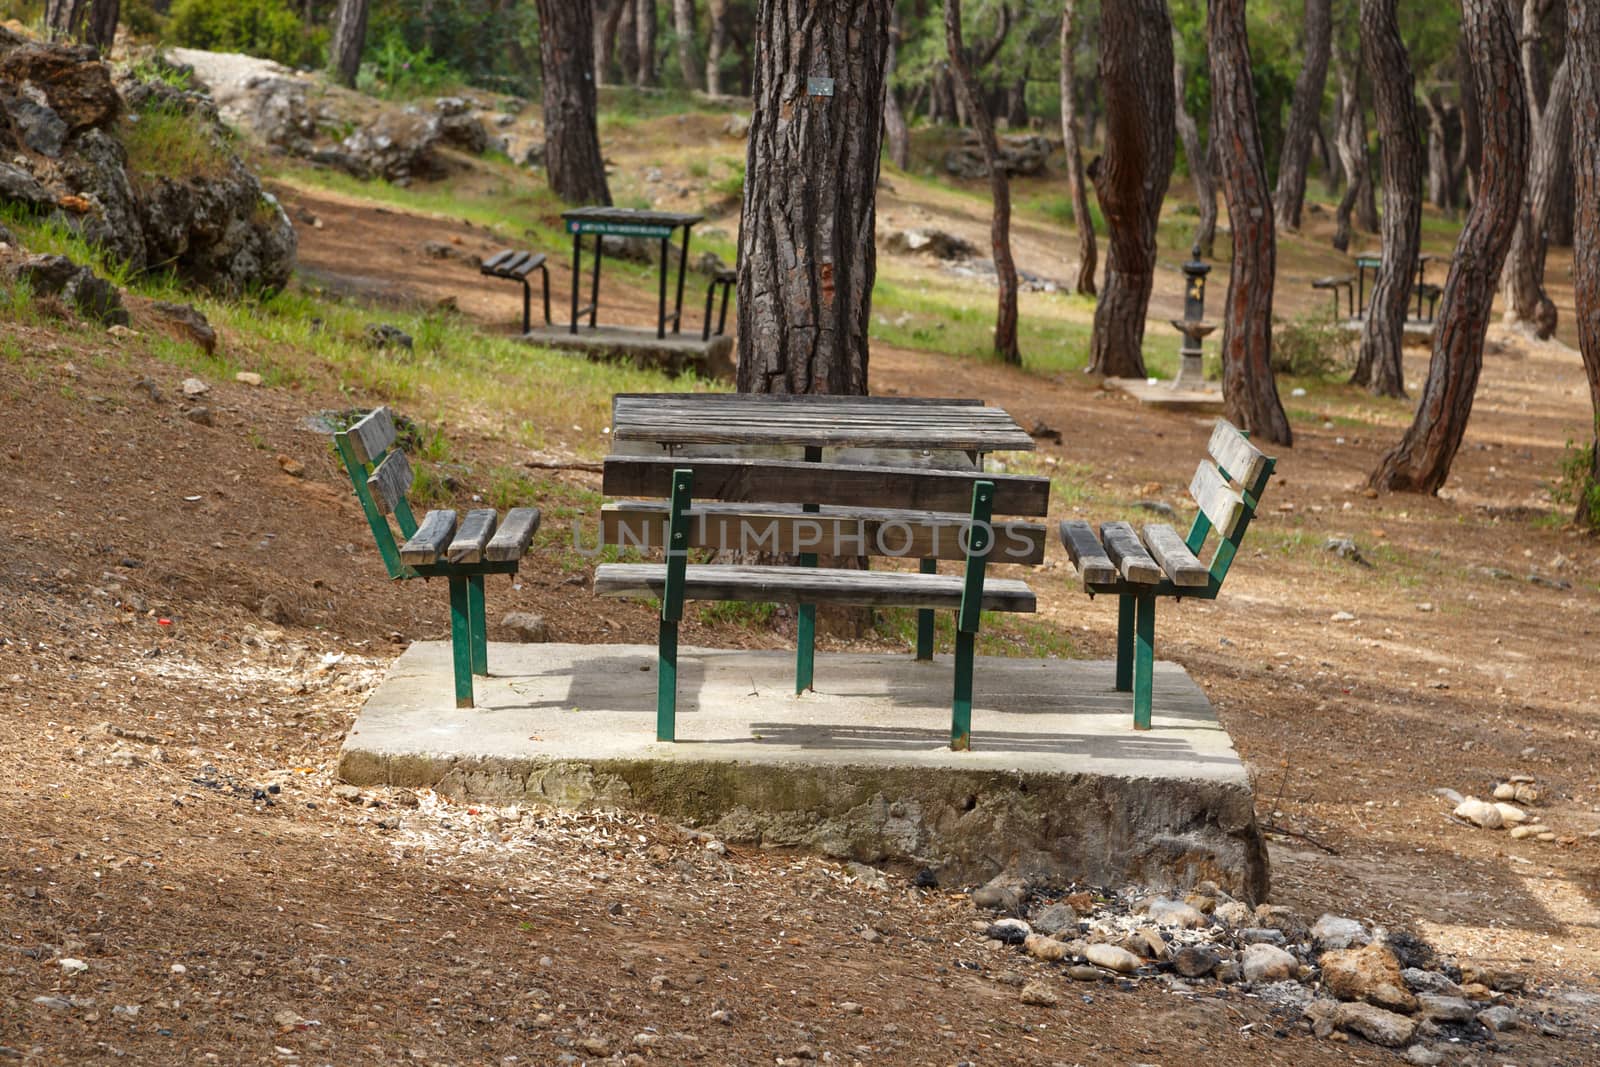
x=805 y=651
x=461 y=641
x=961 y=707
x=667 y=682
x=480 y=630
x=1124 y=643
x=1144 y=651
x=925 y=619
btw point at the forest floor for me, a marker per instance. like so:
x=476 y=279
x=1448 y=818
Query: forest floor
x=194 y=614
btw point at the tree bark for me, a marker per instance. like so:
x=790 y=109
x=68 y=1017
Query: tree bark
x=1522 y=283
x=1304 y=112
x=628 y=42
x=1440 y=180
x=645 y=36
x=1378 y=363
x=1250 y=396
x=349 y=37
x=1005 y=323
x=100 y=32
x=716 y=41
x=1088 y=254
x=1205 y=187
x=571 y=131
x=894 y=119
x=64 y=18
x=1421 y=461
x=1583 y=56
x=607 y=16
x=806 y=250
x=1131 y=179
x=1332 y=170
x=683 y=32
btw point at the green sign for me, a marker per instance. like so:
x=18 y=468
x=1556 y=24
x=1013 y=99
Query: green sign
x=621 y=229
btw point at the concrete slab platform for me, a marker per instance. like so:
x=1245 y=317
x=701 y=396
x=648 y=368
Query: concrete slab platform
x=1161 y=394
x=677 y=353
x=1058 y=785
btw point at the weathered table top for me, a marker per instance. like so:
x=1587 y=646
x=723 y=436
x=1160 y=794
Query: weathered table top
x=626 y=221
x=815 y=421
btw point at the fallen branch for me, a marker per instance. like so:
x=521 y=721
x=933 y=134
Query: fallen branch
x=564 y=465
x=1274 y=828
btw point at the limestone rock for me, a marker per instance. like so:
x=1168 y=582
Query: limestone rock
x=75 y=86
x=1479 y=813
x=1056 y=919
x=1194 y=961
x=527 y=627
x=1377 y=1025
x=1045 y=948
x=1040 y=993
x=91 y=296
x=1438 y=1009
x=188 y=323
x=1112 y=958
x=1234 y=913
x=1370 y=973
x=1499 y=1018
x=1511 y=815
x=935 y=243
x=1334 y=932
x=1176 y=913
x=1421 y=981
x=1268 y=963
x=1422 y=1056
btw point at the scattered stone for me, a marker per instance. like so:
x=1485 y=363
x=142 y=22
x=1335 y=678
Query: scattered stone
x=1056 y=919
x=200 y=414
x=1422 y=1056
x=1505 y=791
x=1341 y=616
x=936 y=243
x=54 y=1003
x=850 y=1007
x=1002 y=893
x=1194 y=961
x=70 y=966
x=1045 y=948
x=1346 y=548
x=1146 y=941
x=248 y=377
x=348 y=793
x=385 y=335
x=1499 y=1019
x=1008 y=931
x=1112 y=958
x=1449 y=794
x=595 y=1046
x=1479 y=813
x=1082 y=972
x=92 y=297
x=193 y=387
x=188 y=323
x=1511 y=815
x=1262 y=935
x=1333 y=932
x=1268 y=963
x=529 y=628
x=1421 y=981
x=1438 y=1009
x=1377 y=1025
x=1370 y=973
x=1500 y=981
x=1040 y=994
x=1227 y=972
x=291 y=466
x=1174 y=913
x=1233 y=913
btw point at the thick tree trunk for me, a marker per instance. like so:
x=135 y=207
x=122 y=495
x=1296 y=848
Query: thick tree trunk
x=1005 y=323
x=1304 y=112
x=894 y=120
x=1205 y=187
x=628 y=43
x=1350 y=141
x=1077 y=186
x=607 y=16
x=64 y=18
x=806 y=254
x=349 y=37
x=1130 y=180
x=683 y=34
x=1471 y=155
x=644 y=27
x=571 y=133
x=1332 y=171
x=1522 y=283
x=1421 y=461
x=1440 y=179
x=1583 y=55
x=1378 y=363
x=1558 y=227
x=100 y=32
x=716 y=41
x=1250 y=395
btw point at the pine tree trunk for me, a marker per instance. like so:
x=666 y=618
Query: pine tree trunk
x=1005 y=323
x=1130 y=180
x=628 y=42
x=1332 y=171
x=894 y=120
x=1439 y=178
x=607 y=16
x=1205 y=188
x=1421 y=461
x=1471 y=155
x=1350 y=140
x=806 y=252
x=1250 y=395
x=64 y=18
x=1583 y=55
x=645 y=36
x=349 y=38
x=1558 y=227
x=571 y=131
x=683 y=32
x=1378 y=363
x=1304 y=113
x=1077 y=186
x=1522 y=283
x=716 y=41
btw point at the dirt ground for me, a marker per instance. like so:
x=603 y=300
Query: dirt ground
x=189 y=631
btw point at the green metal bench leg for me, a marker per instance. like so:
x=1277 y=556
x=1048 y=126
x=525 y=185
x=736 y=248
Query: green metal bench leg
x=480 y=627
x=1144 y=661
x=961 y=706
x=461 y=641
x=805 y=653
x=1124 y=643
x=667 y=682
x=925 y=619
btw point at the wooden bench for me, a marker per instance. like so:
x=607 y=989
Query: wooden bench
x=801 y=508
x=440 y=546
x=1347 y=282
x=726 y=279
x=1227 y=493
x=516 y=266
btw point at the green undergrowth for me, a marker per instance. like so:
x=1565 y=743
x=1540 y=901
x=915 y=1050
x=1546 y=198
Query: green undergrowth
x=999 y=633
x=168 y=142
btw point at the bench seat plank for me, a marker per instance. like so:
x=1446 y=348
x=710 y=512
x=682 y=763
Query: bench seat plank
x=429 y=540
x=1094 y=566
x=511 y=541
x=474 y=534
x=1127 y=553
x=1167 y=548
x=811 y=585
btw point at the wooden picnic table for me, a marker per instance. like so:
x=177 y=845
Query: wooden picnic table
x=1372 y=261
x=605 y=222
x=910 y=424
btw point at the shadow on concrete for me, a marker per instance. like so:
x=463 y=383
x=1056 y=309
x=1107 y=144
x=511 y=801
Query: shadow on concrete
x=826 y=736
x=603 y=682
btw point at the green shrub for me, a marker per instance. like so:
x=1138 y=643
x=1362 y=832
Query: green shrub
x=168 y=142
x=1314 y=346
x=1575 y=483
x=266 y=28
x=395 y=69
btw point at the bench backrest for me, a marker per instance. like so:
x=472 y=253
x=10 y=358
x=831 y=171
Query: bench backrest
x=1227 y=489
x=381 y=476
x=861 y=511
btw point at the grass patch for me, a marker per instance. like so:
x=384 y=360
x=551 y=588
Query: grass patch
x=168 y=142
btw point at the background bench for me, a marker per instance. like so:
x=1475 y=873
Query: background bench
x=442 y=545
x=515 y=266
x=1162 y=563
x=801 y=508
